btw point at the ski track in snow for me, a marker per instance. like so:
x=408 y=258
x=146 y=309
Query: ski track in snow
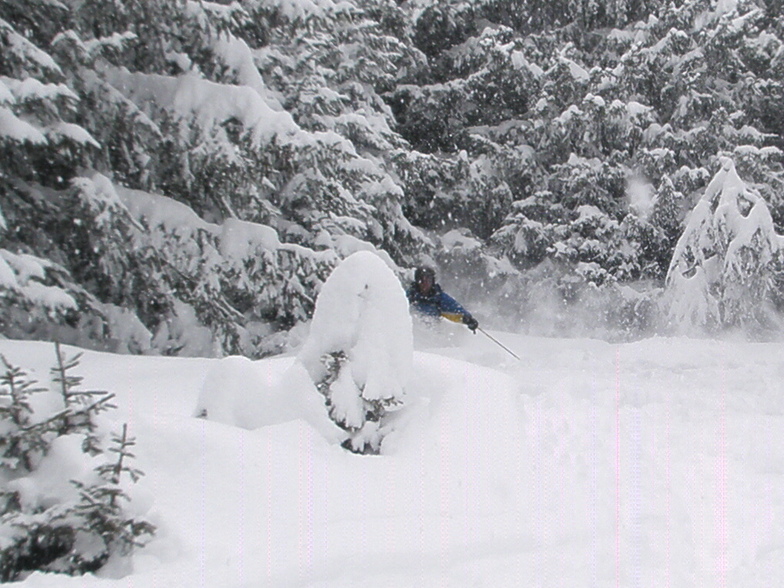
x=656 y=463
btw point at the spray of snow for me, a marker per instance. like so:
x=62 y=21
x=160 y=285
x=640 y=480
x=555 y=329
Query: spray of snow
x=641 y=195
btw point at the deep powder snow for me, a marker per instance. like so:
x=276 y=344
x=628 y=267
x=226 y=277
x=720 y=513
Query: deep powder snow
x=652 y=463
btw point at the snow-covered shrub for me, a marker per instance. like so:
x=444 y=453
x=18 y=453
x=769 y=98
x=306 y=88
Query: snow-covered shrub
x=360 y=348
x=723 y=266
x=60 y=500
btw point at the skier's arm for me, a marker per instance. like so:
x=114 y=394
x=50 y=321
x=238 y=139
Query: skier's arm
x=451 y=310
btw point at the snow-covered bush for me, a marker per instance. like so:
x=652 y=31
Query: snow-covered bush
x=60 y=497
x=723 y=266
x=360 y=348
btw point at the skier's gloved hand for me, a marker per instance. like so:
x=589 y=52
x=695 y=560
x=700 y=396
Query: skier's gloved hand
x=471 y=323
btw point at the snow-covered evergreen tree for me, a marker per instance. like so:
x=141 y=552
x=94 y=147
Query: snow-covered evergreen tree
x=40 y=144
x=22 y=445
x=360 y=349
x=60 y=521
x=104 y=528
x=666 y=217
x=171 y=100
x=722 y=269
x=335 y=127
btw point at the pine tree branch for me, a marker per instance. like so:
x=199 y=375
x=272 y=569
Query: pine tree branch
x=118 y=468
x=99 y=405
x=228 y=310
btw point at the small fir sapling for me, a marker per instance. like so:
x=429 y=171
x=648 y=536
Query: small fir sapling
x=72 y=536
x=99 y=509
x=19 y=441
x=19 y=444
x=33 y=537
x=79 y=405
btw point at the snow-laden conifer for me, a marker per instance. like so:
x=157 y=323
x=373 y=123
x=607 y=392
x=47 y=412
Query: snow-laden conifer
x=359 y=350
x=722 y=268
x=58 y=513
x=21 y=444
x=104 y=528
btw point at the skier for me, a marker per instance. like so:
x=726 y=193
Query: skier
x=427 y=298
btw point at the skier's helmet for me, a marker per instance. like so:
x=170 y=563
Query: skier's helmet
x=422 y=272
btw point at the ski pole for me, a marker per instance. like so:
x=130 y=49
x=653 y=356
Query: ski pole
x=497 y=342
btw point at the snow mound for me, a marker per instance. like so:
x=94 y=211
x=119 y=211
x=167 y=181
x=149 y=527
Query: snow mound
x=254 y=394
x=580 y=461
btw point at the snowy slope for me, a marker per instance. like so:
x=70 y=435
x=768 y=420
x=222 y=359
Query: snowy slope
x=585 y=464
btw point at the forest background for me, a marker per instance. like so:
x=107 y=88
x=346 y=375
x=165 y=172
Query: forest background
x=180 y=177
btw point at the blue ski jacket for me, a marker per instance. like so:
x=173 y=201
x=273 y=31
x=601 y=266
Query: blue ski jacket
x=437 y=304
